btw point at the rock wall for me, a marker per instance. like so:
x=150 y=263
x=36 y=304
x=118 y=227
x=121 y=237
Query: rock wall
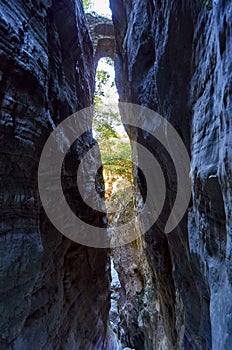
x=175 y=58
x=54 y=293
x=174 y=291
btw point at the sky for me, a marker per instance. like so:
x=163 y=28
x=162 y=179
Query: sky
x=102 y=7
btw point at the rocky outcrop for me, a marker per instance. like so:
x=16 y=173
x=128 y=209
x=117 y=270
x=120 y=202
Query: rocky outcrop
x=102 y=33
x=54 y=293
x=175 y=58
x=139 y=325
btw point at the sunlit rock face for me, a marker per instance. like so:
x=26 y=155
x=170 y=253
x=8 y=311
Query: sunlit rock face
x=102 y=33
x=54 y=293
x=175 y=58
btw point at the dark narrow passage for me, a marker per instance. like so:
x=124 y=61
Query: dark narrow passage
x=67 y=279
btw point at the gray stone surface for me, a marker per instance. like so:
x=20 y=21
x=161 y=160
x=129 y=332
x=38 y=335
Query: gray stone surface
x=175 y=57
x=102 y=34
x=54 y=294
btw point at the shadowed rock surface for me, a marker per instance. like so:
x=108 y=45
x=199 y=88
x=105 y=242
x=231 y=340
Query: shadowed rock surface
x=175 y=58
x=102 y=33
x=54 y=293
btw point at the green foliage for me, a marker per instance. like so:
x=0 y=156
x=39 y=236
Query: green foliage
x=209 y=5
x=105 y=122
x=87 y=4
x=118 y=166
x=109 y=61
x=97 y=101
x=106 y=131
x=115 y=150
x=102 y=78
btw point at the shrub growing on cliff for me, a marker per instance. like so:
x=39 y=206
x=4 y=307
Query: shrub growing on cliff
x=87 y=4
x=115 y=149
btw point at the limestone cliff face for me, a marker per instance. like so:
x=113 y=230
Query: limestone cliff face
x=54 y=293
x=175 y=58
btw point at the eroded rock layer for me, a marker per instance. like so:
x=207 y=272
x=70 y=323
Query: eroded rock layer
x=54 y=293
x=175 y=58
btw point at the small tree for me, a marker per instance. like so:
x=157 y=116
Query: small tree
x=115 y=149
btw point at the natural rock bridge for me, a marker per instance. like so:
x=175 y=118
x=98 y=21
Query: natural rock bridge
x=102 y=33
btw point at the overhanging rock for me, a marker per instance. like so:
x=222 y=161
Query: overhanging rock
x=103 y=37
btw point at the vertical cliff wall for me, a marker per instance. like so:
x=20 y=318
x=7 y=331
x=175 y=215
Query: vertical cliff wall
x=175 y=58
x=54 y=294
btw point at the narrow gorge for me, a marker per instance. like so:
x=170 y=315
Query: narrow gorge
x=162 y=290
